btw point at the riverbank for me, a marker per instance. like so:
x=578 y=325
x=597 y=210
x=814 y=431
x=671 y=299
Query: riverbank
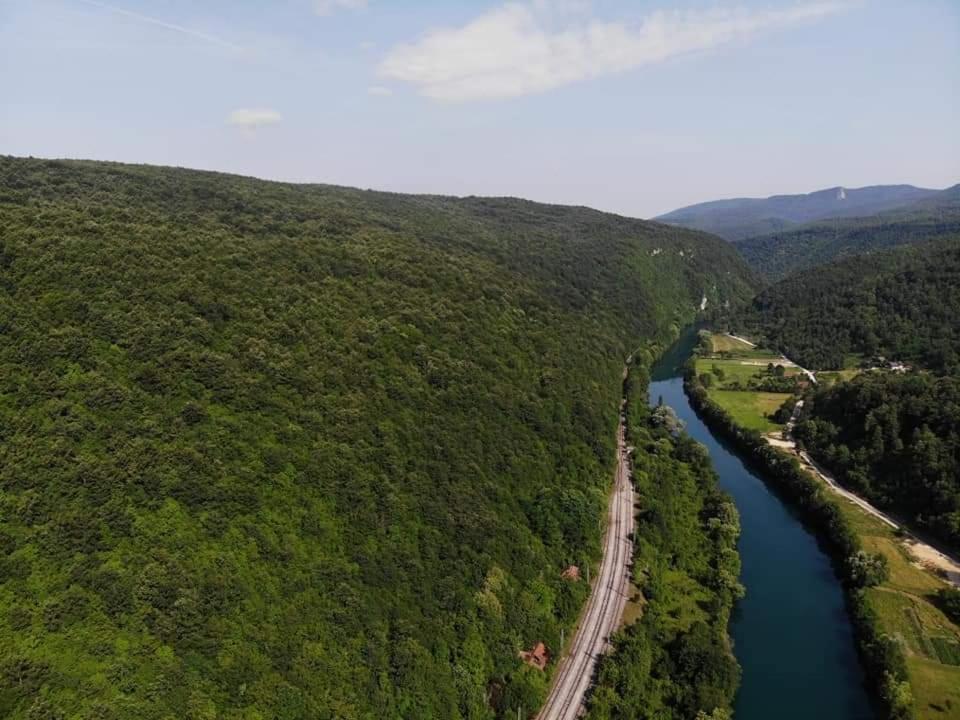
x=883 y=655
x=676 y=658
x=792 y=631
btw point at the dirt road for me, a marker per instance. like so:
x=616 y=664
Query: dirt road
x=924 y=553
x=608 y=598
x=786 y=362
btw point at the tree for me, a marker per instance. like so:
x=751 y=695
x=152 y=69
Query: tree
x=897 y=696
x=867 y=569
x=949 y=599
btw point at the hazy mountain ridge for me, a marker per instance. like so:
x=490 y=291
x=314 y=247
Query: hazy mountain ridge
x=741 y=218
x=777 y=255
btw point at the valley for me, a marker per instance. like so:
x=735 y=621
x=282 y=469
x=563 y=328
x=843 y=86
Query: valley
x=262 y=402
x=490 y=360
x=793 y=607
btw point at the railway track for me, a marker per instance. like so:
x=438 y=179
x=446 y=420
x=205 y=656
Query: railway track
x=608 y=598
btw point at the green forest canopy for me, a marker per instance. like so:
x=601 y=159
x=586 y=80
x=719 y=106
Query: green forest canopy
x=895 y=439
x=902 y=303
x=285 y=451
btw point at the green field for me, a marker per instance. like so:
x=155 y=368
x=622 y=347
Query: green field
x=742 y=368
x=906 y=609
x=750 y=409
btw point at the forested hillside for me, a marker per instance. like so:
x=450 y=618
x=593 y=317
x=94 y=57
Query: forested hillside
x=278 y=451
x=903 y=304
x=742 y=218
x=777 y=255
x=895 y=439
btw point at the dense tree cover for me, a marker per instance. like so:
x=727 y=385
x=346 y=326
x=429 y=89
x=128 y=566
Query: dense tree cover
x=277 y=451
x=742 y=218
x=882 y=655
x=901 y=303
x=950 y=602
x=779 y=254
x=895 y=439
x=676 y=661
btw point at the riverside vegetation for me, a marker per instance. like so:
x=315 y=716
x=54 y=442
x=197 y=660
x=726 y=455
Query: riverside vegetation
x=882 y=656
x=674 y=662
x=285 y=451
x=908 y=635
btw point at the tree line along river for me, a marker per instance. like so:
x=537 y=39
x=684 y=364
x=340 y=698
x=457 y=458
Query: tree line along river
x=791 y=633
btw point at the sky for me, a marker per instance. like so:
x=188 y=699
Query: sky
x=635 y=107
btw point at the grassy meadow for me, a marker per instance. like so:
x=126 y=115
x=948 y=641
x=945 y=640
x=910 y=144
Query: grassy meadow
x=737 y=369
x=906 y=606
x=751 y=410
x=727 y=343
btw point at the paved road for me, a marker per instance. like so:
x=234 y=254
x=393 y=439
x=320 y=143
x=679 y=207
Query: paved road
x=607 y=600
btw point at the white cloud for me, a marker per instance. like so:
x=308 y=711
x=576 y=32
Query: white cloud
x=328 y=7
x=251 y=119
x=519 y=48
x=379 y=90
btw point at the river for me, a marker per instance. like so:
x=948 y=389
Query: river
x=791 y=632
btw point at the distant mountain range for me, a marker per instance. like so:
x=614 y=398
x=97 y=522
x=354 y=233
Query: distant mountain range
x=741 y=218
x=779 y=254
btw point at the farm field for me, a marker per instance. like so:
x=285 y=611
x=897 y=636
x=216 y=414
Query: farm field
x=906 y=606
x=738 y=373
x=726 y=343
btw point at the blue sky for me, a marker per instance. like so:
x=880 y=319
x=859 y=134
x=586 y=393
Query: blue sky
x=635 y=107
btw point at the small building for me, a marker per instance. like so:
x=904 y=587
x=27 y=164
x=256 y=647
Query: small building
x=538 y=657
